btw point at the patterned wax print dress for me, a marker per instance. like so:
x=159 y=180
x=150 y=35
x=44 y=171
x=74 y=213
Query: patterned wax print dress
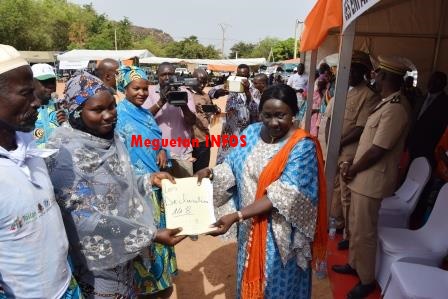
x=291 y=223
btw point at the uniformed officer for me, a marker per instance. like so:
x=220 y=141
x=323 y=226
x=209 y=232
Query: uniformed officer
x=374 y=172
x=360 y=101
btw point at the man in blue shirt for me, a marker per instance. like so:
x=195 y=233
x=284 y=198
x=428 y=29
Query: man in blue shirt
x=49 y=116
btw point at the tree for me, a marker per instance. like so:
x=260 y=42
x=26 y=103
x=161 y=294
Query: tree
x=151 y=45
x=243 y=49
x=191 y=48
x=124 y=35
x=19 y=26
x=264 y=47
x=284 y=49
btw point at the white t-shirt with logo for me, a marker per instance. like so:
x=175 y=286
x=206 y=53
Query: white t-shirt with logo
x=33 y=242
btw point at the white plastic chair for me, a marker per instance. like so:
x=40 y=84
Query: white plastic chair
x=409 y=281
x=396 y=210
x=429 y=244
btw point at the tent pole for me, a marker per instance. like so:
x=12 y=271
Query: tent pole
x=439 y=34
x=302 y=57
x=337 y=117
x=310 y=91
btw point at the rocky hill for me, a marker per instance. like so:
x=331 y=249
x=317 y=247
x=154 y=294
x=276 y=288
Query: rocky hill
x=157 y=34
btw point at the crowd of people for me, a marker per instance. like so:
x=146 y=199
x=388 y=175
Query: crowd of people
x=92 y=201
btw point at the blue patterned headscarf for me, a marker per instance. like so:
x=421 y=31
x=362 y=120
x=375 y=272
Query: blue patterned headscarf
x=127 y=74
x=79 y=88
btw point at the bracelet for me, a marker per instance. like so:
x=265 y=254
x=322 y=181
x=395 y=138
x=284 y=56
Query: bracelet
x=158 y=106
x=212 y=175
x=240 y=216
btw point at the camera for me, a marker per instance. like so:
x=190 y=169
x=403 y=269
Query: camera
x=175 y=96
x=210 y=108
x=235 y=84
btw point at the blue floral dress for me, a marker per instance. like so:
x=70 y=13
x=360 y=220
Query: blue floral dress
x=292 y=222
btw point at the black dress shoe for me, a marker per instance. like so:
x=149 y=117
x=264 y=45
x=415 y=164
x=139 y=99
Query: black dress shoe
x=344 y=269
x=343 y=245
x=361 y=290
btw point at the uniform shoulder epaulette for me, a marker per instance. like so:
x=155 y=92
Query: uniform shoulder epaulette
x=396 y=99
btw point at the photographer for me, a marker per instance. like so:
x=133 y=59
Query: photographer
x=204 y=111
x=175 y=120
x=241 y=107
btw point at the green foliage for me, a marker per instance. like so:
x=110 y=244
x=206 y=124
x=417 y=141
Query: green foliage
x=190 y=48
x=152 y=45
x=17 y=26
x=264 y=47
x=59 y=25
x=284 y=49
x=243 y=49
x=281 y=49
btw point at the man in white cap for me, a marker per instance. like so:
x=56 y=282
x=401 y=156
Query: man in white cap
x=49 y=117
x=33 y=243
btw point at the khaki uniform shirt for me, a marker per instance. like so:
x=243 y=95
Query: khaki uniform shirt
x=387 y=128
x=360 y=102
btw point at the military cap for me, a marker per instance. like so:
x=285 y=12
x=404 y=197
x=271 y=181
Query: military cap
x=393 y=65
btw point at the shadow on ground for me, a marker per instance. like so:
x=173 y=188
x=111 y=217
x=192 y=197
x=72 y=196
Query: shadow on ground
x=214 y=277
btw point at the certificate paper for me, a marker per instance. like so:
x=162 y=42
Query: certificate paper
x=188 y=205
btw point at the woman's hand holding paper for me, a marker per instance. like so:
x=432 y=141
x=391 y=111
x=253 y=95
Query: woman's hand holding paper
x=223 y=224
x=157 y=177
x=168 y=236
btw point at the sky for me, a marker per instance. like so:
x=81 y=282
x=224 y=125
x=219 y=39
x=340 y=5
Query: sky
x=243 y=20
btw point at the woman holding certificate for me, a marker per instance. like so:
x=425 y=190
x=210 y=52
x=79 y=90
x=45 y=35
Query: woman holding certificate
x=107 y=219
x=274 y=189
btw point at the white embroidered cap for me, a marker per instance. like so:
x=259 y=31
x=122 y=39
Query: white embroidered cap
x=10 y=59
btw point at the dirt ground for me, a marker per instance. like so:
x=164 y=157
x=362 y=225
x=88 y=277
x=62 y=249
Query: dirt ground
x=207 y=270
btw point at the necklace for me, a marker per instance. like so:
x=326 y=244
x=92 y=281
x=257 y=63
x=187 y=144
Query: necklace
x=272 y=138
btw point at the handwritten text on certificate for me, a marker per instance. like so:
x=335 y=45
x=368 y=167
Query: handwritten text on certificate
x=188 y=205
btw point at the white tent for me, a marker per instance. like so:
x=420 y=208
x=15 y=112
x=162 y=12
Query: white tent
x=73 y=65
x=83 y=55
x=159 y=60
x=248 y=61
x=414 y=29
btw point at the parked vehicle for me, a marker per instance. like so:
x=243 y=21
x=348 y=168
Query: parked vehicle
x=181 y=71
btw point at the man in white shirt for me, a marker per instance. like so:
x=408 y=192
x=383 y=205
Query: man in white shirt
x=33 y=243
x=299 y=81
